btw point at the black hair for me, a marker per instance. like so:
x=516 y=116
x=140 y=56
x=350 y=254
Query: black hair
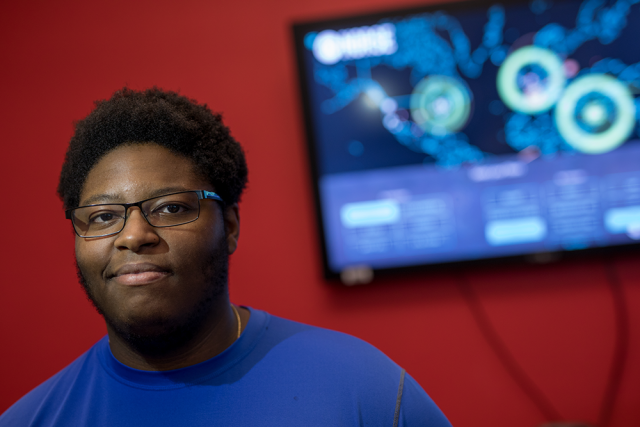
x=155 y=116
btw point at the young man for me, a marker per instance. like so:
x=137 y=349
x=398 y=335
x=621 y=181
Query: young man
x=151 y=182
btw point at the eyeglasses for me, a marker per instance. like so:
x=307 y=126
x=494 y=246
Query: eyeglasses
x=168 y=210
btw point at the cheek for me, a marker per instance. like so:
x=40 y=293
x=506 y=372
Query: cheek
x=189 y=252
x=91 y=258
x=192 y=252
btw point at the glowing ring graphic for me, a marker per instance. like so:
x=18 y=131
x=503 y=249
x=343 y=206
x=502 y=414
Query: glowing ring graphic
x=531 y=79
x=596 y=113
x=440 y=104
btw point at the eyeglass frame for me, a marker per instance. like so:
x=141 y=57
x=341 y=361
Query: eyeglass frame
x=202 y=195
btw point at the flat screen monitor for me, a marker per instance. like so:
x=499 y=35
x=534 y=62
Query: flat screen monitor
x=470 y=131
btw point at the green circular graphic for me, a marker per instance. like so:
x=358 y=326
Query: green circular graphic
x=531 y=79
x=441 y=104
x=596 y=113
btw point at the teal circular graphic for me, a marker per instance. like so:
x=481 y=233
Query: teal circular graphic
x=441 y=104
x=531 y=80
x=596 y=113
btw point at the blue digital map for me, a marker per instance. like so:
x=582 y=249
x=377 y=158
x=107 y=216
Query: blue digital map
x=476 y=132
x=533 y=74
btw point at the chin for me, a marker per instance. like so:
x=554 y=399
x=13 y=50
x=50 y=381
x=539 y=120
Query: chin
x=151 y=331
x=154 y=335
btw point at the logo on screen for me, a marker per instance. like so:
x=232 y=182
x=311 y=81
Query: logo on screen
x=331 y=46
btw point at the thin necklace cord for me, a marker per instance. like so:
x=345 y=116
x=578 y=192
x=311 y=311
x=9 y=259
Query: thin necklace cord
x=238 y=320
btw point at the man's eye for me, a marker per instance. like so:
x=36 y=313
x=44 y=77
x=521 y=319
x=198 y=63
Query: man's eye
x=171 y=209
x=103 y=217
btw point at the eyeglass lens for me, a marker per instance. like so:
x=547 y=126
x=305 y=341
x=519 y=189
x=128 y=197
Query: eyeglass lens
x=163 y=211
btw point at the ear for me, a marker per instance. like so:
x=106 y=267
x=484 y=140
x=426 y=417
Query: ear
x=232 y=226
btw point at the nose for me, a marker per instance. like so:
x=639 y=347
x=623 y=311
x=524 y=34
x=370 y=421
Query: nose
x=137 y=232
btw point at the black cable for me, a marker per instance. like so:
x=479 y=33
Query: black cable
x=621 y=349
x=504 y=355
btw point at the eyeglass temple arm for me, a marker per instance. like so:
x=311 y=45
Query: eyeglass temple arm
x=204 y=194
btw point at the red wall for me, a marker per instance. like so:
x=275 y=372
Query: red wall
x=237 y=56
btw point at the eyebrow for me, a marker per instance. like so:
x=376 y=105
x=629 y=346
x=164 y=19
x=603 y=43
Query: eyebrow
x=114 y=198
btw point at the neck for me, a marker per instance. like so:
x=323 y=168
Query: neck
x=217 y=332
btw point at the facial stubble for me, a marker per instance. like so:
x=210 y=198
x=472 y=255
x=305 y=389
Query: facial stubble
x=158 y=336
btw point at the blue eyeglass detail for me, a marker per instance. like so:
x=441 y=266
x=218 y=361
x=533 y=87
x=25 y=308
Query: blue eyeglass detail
x=204 y=194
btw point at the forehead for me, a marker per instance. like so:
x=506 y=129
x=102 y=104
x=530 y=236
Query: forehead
x=134 y=172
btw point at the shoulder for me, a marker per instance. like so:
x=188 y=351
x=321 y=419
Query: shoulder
x=327 y=347
x=51 y=394
x=349 y=369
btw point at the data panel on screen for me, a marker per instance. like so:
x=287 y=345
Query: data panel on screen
x=474 y=130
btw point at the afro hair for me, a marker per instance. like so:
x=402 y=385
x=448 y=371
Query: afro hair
x=161 y=117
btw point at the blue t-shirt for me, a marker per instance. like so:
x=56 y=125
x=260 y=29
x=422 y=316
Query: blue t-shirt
x=278 y=373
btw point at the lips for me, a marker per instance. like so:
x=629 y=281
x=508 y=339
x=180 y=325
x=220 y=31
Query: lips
x=139 y=274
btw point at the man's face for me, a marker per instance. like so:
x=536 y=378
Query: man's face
x=154 y=284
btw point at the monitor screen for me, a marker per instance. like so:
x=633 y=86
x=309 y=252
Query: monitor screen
x=468 y=131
